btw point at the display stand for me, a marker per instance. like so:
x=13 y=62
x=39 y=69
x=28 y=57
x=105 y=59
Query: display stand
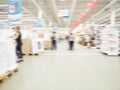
x=98 y=32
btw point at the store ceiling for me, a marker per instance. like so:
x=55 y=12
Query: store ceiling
x=49 y=7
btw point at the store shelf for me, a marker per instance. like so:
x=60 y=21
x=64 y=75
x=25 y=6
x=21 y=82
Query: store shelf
x=110 y=41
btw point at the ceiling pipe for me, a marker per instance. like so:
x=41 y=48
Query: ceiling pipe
x=116 y=10
x=109 y=14
x=55 y=9
x=39 y=8
x=72 y=9
x=3 y=20
x=4 y=5
x=26 y=16
x=112 y=2
x=3 y=12
x=28 y=11
x=28 y=19
x=102 y=18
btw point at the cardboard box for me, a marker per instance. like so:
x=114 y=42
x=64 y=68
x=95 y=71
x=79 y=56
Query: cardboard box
x=47 y=44
x=40 y=35
x=26 y=47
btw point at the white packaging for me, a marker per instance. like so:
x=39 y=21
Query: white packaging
x=37 y=45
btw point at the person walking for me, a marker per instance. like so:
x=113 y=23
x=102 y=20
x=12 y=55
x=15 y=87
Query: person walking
x=17 y=36
x=71 y=40
x=54 y=41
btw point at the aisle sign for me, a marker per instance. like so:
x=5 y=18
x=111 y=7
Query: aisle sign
x=63 y=13
x=14 y=11
x=39 y=23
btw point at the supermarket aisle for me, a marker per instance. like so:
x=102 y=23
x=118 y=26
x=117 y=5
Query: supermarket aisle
x=82 y=69
x=78 y=50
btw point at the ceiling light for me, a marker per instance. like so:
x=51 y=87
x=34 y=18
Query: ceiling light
x=62 y=0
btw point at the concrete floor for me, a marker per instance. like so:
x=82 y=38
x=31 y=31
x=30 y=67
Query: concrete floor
x=82 y=69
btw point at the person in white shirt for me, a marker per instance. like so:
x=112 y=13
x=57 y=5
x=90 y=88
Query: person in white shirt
x=71 y=40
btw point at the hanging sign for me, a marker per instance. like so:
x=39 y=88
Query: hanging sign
x=76 y=24
x=39 y=23
x=63 y=13
x=14 y=11
x=92 y=4
x=84 y=14
x=80 y=20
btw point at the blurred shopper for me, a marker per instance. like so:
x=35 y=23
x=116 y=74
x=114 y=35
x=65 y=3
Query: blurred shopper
x=71 y=40
x=54 y=41
x=61 y=38
x=87 y=38
x=67 y=38
x=91 y=42
x=83 y=40
x=17 y=36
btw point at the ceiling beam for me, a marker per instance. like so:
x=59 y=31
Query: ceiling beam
x=39 y=8
x=28 y=11
x=108 y=5
x=72 y=10
x=55 y=11
x=109 y=14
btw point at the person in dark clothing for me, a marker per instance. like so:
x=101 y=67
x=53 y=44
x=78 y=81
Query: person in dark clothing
x=54 y=41
x=54 y=45
x=92 y=41
x=71 y=44
x=71 y=39
x=17 y=37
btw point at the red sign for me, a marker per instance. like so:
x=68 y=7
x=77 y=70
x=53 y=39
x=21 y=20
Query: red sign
x=92 y=4
x=84 y=14
x=76 y=24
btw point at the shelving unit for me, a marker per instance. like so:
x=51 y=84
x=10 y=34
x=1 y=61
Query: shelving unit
x=110 y=40
x=119 y=40
x=98 y=32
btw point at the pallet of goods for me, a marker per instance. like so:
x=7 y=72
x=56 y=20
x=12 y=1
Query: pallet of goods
x=8 y=59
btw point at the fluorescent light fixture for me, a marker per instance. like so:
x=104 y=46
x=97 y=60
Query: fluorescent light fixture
x=40 y=14
x=62 y=0
x=4 y=5
x=3 y=12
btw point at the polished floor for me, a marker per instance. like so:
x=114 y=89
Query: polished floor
x=81 y=69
